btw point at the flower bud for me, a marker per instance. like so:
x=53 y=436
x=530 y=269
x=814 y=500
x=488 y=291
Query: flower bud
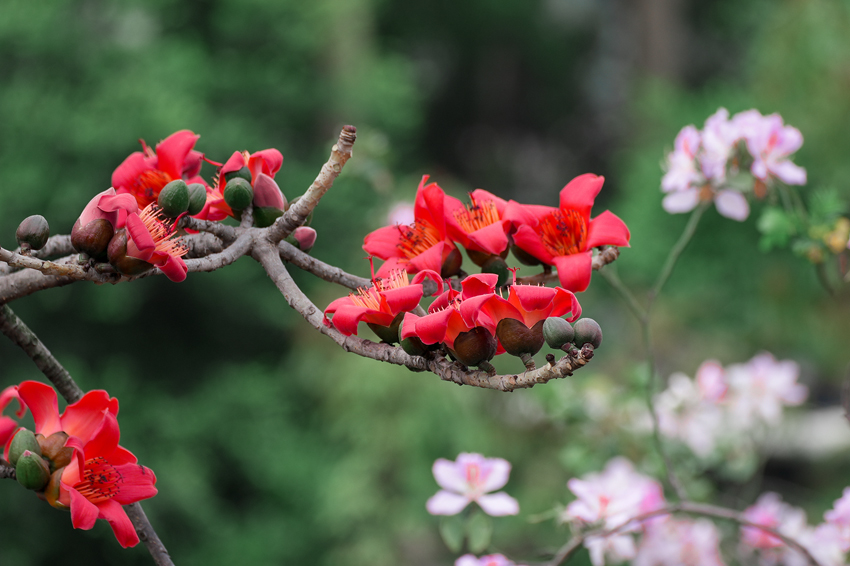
x=54 y=450
x=32 y=233
x=93 y=238
x=523 y=256
x=388 y=334
x=174 y=198
x=518 y=339
x=497 y=265
x=243 y=173
x=238 y=193
x=266 y=215
x=557 y=332
x=451 y=264
x=31 y=471
x=24 y=440
x=197 y=198
x=587 y=332
x=474 y=346
x=124 y=264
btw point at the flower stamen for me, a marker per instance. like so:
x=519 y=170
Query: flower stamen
x=564 y=232
x=477 y=215
x=417 y=238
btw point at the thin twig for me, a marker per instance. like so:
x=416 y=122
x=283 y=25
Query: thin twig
x=15 y=329
x=298 y=212
x=677 y=250
x=7 y=472
x=56 y=245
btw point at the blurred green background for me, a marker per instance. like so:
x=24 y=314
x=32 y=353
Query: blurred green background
x=270 y=445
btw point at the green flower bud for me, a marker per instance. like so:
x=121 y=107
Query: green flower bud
x=32 y=233
x=174 y=198
x=388 y=334
x=32 y=471
x=22 y=441
x=557 y=332
x=93 y=238
x=238 y=193
x=243 y=173
x=588 y=332
x=474 y=346
x=117 y=254
x=266 y=215
x=197 y=198
x=497 y=265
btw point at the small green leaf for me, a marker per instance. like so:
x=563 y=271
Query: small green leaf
x=776 y=227
x=479 y=529
x=452 y=531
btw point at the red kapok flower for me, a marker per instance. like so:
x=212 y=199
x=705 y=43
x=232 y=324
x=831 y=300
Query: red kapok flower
x=422 y=245
x=149 y=237
x=380 y=304
x=144 y=173
x=263 y=166
x=565 y=236
x=102 y=476
x=479 y=226
x=104 y=214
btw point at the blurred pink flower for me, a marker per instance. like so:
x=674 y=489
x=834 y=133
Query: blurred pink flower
x=680 y=542
x=770 y=511
x=770 y=145
x=687 y=414
x=489 y=560
x=470 y=478
x=839 y=516
x=401 y=213
x=760 y=388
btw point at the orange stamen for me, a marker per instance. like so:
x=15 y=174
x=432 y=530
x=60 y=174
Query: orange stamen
x=563 y=232
x=417 y=238
x=369 y=298
x=162 y=230
x=149 y=183
x=100 y=480
x=396 y=279
x=477 y=215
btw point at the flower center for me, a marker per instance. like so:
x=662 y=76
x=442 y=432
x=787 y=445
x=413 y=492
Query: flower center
x=368 y=298
x=477 y=215
x=371 y=297
x=563 y=232
x=417 y=238
x=148 y=184
x=396 y=279
x=100 y=480
x=473 y=475
x=162 y=230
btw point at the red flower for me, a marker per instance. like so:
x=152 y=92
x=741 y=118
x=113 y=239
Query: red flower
x=263 y=166
x=102 y=476
x=108 y=206
x=379 y=304
x=419 y=246
x=565 y=236
x=528 y=304
x=144 y=173
x=479 y=226
x=150 y=237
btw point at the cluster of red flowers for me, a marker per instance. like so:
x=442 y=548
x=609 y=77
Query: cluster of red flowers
x=128 y=225
x=477 y=322
x=77 y=462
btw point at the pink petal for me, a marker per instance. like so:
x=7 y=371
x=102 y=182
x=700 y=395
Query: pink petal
x=83 y=512
x=500 y=470
x=137 y=483
x=498 y=504
x=83 y=418
x=789 y=173
x=732 y=204
x=267 y=161
x=574 y=271
x=140 y=237
x=112 y=511
x=174 y=268
x=580 y=193
x=173 y=150
x=445 y=503
x=41 y=401
x=449 y=475
x=491 y=239
x=681 y=201
x=528 y=240
x=607 y=230
x=267 y=193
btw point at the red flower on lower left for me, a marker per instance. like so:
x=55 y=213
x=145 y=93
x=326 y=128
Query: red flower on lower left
x=90 y=473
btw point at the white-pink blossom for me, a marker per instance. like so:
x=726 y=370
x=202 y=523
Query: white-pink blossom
x=489 y=560
x=470 y=478
x=401 y=213
x=686 y=415
x=760 y=388
x=680 y=543
x=839 y=516
x=770 y=511
x=770 y=144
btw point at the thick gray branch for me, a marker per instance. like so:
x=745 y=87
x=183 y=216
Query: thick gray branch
x=319 y=268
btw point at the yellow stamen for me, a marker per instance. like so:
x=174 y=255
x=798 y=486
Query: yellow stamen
x=477 y=215
x=417 y=238
x=563 y=232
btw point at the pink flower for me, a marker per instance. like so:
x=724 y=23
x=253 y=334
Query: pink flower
x=144 y=173
x=263 y=165
x=565 y=236
x=839 y=516
x=770 y=511
x=682 y=174
x=401 y=213
x=678 y=542
x=470 y=478
x=684 y=414
x=489 y=560
x=770 y=145
x=759 y=389
x=151 y=240
x=108 y=206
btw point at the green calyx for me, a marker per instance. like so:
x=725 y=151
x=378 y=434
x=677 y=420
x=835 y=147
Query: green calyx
x=174 y=198
x=238 y=193
x=243 y=173
x=557 y=332
x=265 y=216
x=497 y=265
x=197 y=198
x=31 y=471
x=22 y=441
x=587 y=331
x=32 y=233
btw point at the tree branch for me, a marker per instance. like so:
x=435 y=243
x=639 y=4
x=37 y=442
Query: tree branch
x=604 y=256
x=298 y=212
x=7 y=472
x=15 y=329
x=320 y=269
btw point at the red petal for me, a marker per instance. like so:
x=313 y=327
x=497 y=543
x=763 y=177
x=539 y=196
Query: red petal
x=433 y=209
x=528 y=240
x=174 y=268
x=389 y=266
x=480 y=195
x=122 y=456
x=433 y=275
x=383 y=242
x=140 y=237
x=408 y=325
x=105 y=439
x=235 y=163
x=267 y=161
x=83 y=418
x=530 y=214
x=6 y=397
x=402 y=299
x=137 y=483
x=173 y=151
x=607 y=230
x=479 y=284
x=112 y=511
x=431 y=329
x=531 y=297
x=432 y=259
x=83 y=512
x=443 y=300
x=7 y=431
x=455 y=232
x=487 y=311
x=42 y=402
x=574 y=270
x=491 y=239
x=126 y=174
x=455 y=326
x=566 y=302
x=347 y=317
x=267 y=193
x=580 y=193
x=192 y=165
